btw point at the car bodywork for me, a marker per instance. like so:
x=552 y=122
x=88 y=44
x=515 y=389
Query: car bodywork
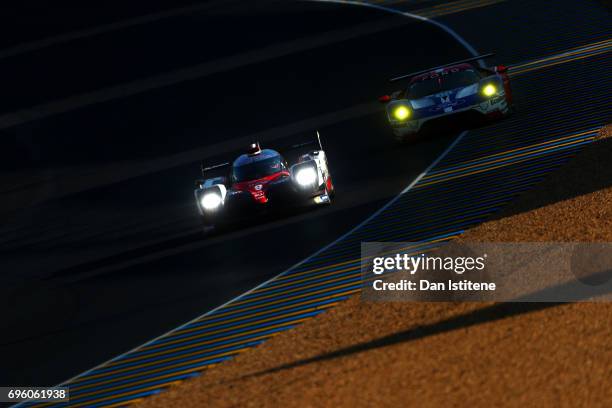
x=448 y=92
x=261 y=181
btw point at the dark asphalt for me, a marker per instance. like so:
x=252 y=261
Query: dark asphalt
x=104 y=250
x=92 y=274
x=172 y=43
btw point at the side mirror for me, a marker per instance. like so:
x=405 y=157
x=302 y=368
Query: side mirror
x=384 y=99
x=502 y=69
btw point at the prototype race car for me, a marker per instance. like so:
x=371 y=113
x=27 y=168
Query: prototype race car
x=261 y=181
x=448 y=93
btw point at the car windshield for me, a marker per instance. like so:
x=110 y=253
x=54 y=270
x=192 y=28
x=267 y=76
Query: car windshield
x=257 y=169
x=446 y=82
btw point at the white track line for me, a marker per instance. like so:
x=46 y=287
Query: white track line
x=181 y=75
x=444 y=27
x=384 y=207
x=237 y=298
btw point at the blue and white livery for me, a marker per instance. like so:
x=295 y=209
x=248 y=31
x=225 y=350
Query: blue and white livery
x=452 y=92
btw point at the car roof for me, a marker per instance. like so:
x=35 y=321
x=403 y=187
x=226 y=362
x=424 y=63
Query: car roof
x=245 y=159
x=445 y=70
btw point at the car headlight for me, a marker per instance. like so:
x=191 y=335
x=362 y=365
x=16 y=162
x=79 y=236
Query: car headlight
x=306 y=176
x=210 y=201
x=489 y=90
x=401 y=112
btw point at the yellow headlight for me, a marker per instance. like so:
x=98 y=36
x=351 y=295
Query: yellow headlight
x=489 y=90
x=401 y=112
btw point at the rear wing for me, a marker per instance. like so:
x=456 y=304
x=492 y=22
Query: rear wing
x=221 y=169
x=413 y=74
x=206 y=169
x=293 y=152
x=213 y=174
x=316 y=143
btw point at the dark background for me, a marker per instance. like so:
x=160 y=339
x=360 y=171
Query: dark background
x=100 y=241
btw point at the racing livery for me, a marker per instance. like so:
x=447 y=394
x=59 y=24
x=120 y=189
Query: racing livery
x=454 y=91
x=261 y=181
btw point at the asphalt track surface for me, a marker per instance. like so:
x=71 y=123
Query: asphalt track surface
x=91 y=274
x=69 y=300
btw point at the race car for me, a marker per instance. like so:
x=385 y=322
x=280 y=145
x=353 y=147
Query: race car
x=446 y=94
x=260 y=182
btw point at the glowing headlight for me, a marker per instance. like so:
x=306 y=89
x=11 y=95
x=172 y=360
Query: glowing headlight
x=489 y=90
x=210 y=201
x=401 y=112
x=306 y=176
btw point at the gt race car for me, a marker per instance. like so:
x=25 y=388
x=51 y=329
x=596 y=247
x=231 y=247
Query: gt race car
x=448 y=94
x=262 y=181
